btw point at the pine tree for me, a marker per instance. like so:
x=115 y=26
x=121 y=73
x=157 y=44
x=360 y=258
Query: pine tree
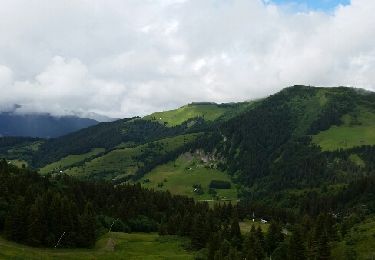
x=296 y=248
x=252 y=247
x=87 y=226
x=323 y=252
x=273 y=237
x=213 y=245
x=199 y=234
x=15 y=223
x=235 y=232
x=260 y=236
x=36 y=224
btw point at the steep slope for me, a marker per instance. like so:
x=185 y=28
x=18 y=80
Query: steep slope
x=133 y=132
x=104 y=135
x=41 y=125
x=275 y=149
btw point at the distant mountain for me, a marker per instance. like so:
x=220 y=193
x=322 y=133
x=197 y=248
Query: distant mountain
x=41 y=125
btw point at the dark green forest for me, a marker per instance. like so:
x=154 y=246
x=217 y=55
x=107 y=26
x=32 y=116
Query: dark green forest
x=52 y=206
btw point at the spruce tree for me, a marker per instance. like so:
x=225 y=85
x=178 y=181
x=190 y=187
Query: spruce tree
x=273 y=237
x=296 y=248
x=36 y=224
x=235 y=232
x=252 y=248
x=323 y=252
x=16 y=221
x=87 y=226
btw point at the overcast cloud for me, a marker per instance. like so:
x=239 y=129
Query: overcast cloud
x=129 y=57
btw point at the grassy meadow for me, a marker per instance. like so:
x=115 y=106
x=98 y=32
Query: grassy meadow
x=70 y=160
x=180 y=175
x=358 y=129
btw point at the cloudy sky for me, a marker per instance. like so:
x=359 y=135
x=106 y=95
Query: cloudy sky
x=131 y=57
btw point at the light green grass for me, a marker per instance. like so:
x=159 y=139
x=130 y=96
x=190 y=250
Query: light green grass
x=358 y=129
x=128 y=246
x=345 y=137
x=175 y=117
x=122 y=162
x=361 y=239
x=179 y=177
x=69 y=160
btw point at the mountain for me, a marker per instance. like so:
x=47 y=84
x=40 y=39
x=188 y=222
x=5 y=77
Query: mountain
x=40 y=125
x=303 y=157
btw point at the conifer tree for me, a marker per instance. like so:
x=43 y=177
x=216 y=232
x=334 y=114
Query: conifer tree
x=36 y=223
x=87 y=226
x=323 y=252
x=235 y=232
x=296 y=248
x=252 y=249
x=273 y=237
x=15 y=223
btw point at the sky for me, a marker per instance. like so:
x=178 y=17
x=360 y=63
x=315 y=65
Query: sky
x=306 y=5
x=122 y=58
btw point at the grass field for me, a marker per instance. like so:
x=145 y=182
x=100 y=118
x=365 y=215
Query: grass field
x=179 y=177
x=345 y=137
x=357 y=129
x=177 y=116
x=360 y=239
x=128 y=246
x=69 y=160
x=121 y=162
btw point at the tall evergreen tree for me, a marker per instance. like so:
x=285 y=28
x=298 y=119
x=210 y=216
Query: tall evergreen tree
x=273 y=237
x=296 y=248
x=87 y=223
x=36 y=223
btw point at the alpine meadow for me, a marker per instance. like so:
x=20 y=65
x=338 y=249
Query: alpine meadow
x=187 y=129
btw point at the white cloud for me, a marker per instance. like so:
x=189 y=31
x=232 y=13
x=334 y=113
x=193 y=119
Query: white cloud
x=124 y=58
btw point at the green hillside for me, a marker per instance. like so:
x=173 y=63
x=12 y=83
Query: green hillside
x=19 y=148
x=184 y=174
x=127 y=246
x=358 y=242
x=124 y=161
x=69 y=161
x=207 y=111
x=358 y=128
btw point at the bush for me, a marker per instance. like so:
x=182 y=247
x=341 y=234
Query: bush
x=217 y=184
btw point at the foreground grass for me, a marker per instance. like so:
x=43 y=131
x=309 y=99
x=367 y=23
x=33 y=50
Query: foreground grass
x=128 y=246
x=179 y=177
